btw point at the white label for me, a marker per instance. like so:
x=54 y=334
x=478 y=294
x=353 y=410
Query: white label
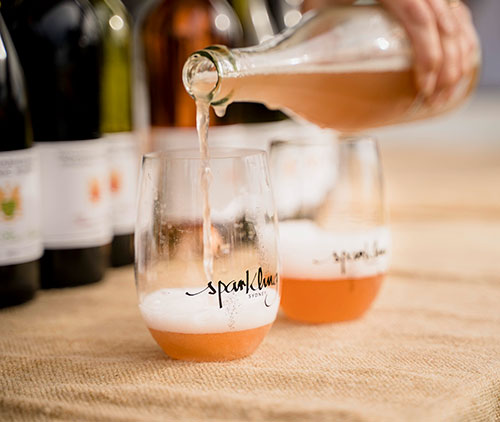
x=255 y=136
x=164 y=138
x=308 y=251
x=76 y=208
x=20 y=233
x=172 y=138
x=124 y=171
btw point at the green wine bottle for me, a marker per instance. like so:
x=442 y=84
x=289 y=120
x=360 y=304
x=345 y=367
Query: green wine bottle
x=116 y=124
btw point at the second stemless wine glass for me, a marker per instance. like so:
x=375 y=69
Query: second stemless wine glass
x=334 y=237
x=190 y=316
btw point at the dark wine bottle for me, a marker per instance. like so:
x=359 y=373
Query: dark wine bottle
x=116 y=125
x=59 y=43
x=258 y=26
x=286 y=13
x=259 y=126
x=20 y=231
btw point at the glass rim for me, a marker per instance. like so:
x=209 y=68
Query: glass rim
x=217 y=153
x=353 y=138
x=283 y=143
x=339 y=140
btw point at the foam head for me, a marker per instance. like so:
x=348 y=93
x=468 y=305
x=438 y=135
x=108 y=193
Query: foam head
x=310 y=252
x=174 y=311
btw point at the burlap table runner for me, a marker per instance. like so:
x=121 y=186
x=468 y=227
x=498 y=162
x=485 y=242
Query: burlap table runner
x=429 y=350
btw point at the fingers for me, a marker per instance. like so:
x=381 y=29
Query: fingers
x=469 y=41
x=452 y=66
x=460 y=50
x=444 y=17
x=444 y=43
x=420 y=22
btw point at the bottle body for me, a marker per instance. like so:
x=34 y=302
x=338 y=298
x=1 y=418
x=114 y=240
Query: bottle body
x=59 y=44
x=20 y=227
x=345 y=68
x=170 y=32
x=116 y=125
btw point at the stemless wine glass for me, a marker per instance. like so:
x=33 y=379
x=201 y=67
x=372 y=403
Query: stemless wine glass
x=334 y=237
x=191 y=315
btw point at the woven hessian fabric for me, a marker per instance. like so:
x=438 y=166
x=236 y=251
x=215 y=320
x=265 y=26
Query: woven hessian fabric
x=428 y=350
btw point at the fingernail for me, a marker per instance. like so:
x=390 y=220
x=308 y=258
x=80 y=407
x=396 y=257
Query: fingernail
x=440 y=100
x=427 y=83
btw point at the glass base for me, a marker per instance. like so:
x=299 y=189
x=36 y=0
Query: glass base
x=324 y=301
x=210 y=347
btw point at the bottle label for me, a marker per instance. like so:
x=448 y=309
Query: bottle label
x=251 y=135
x=20 y=224
x=124 y=171
x=167 y=138
x=76 y=206
x=170 y=138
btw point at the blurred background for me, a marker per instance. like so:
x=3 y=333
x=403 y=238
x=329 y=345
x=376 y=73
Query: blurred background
x=262 y=17
x=447 y=167
x=485 y=13
x=442 y=175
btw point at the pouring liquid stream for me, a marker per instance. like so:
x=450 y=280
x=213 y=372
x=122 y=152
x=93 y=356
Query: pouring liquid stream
x=202 y=122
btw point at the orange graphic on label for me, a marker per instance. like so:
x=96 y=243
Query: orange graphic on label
x=95 y=190
x=10 y=202
x=116 y=181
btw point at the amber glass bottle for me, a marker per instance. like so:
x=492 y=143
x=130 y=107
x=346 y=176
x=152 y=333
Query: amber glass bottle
x=171 y=31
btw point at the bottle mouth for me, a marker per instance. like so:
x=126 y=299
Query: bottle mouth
x=200 y=76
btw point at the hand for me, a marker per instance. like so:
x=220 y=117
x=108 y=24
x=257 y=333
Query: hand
x=444 y=41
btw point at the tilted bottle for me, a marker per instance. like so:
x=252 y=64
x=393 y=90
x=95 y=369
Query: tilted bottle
x=347 y=68
x=116 y=125
x=20 y=231
x=171 y=30
x=59 y=43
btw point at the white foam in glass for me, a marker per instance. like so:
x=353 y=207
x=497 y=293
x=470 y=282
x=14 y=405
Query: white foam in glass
x=172 y=310
x=309 y=252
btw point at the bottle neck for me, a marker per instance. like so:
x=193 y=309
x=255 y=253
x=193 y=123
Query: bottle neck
x=203 y=72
